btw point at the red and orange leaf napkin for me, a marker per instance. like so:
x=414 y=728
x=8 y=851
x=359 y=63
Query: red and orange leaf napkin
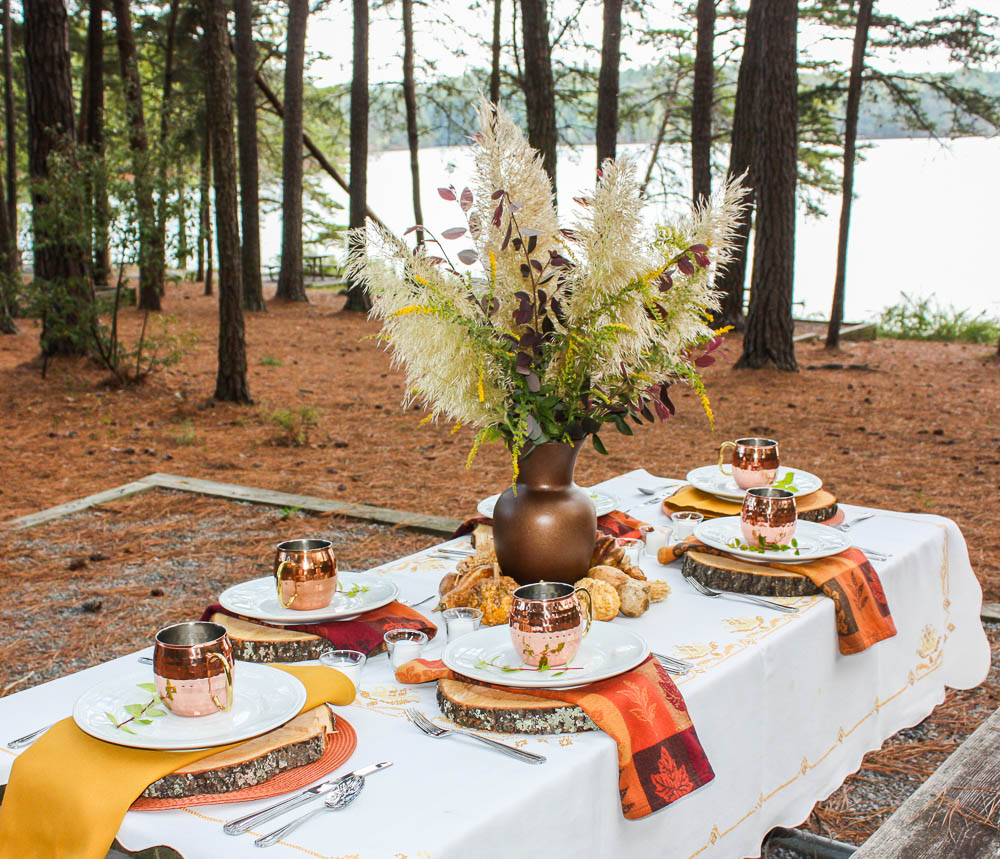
x=848 y=578
x=615 y=523
x=660 y=758
x=363 y=633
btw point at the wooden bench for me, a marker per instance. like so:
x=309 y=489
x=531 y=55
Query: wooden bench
x=955 y=814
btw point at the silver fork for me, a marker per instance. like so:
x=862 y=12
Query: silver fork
x=707 y=591
x=673 y=666
x=846 y=526
x=432 y=730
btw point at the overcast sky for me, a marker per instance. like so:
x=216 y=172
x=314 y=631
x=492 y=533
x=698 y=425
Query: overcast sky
x=329 y=34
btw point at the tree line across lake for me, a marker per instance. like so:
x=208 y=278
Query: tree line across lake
x=121 y=117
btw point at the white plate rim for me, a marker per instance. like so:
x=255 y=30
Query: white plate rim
x=700 y=534
x=568 y=683
x=137 y=741
x=486 y=505
x=290 y=617
x=693 y=478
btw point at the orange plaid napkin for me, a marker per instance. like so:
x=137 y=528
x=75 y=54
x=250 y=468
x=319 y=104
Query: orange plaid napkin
x=660 y=758
x=848 y=578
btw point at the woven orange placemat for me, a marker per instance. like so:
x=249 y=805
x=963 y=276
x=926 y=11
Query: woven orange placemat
x=342 y=743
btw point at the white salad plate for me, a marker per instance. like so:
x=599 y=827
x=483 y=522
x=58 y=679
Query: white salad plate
x=604 y=503
x=263 y=698
x=813 y=541
x=356 y=593
x=608 y=650
x=709 y=479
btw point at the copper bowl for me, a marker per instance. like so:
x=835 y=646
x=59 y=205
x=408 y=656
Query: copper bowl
x=305 y=574
x=193 y=668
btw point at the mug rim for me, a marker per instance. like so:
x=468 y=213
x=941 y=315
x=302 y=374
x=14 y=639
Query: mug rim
x=287 y=545
x=770 y=492
x=191 y=623
x=571 y=589
x=756 y=441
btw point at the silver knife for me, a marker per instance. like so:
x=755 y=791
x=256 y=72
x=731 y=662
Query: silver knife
x=241 y=825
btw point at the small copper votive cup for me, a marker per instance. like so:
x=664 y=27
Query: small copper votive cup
x=193 y=668
x=755 y=461
x=769 y=513
x=547 y=622
x=305 y=574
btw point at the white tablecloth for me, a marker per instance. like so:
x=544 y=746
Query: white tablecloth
x=783 y=717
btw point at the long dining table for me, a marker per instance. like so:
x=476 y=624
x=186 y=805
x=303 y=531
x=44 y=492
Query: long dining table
x=783 y=716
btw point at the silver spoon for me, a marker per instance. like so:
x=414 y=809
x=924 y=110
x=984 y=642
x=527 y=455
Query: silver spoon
x=348 y=792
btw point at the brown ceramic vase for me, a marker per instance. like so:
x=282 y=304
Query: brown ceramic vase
x=547 y=531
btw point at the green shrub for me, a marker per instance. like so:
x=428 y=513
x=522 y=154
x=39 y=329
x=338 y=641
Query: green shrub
x=292 y=426
x=926 y=319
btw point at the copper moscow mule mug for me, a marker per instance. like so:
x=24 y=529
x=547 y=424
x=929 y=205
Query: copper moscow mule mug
x=547 y=622
x=193 y=668
x=755 y=461
x=305 y=574
x=768 y=513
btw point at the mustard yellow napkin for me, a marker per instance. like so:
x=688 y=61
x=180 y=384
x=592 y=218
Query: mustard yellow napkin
x=689 y=498
x=69 y=792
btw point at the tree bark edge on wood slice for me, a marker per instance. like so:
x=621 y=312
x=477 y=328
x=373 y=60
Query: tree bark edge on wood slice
x=485 y=709
x=732 y=574
x=820 y=514
x=254 y=642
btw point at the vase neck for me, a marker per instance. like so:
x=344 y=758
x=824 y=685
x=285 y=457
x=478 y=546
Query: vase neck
x=548 y=466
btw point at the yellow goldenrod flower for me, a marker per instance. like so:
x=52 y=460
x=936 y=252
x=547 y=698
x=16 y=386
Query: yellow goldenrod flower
x=725 y=329
x=493 y=268
x=420 y=280
x=426 y=420
x=707 y=406
x=482 y=392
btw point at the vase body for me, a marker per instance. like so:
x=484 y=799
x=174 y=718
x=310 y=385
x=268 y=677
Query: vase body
x=546 y=532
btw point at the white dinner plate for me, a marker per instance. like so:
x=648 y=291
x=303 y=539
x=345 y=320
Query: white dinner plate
x=609 y=649
x=258 y=600
x=263 y=698
x=814 y=541
x=604 y=503
x=709 y=479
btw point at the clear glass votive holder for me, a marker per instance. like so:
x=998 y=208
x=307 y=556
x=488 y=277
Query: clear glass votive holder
x=347 y=662
x=655 y=539
x=633 y=547
x=459 y=621
x=683 y=523
x=404 y=645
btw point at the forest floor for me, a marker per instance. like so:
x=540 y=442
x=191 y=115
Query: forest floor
x=909 y=426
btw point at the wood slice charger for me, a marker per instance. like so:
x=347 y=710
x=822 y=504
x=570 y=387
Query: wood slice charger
x=256 y=769
x=732 y=574
x=486 y=709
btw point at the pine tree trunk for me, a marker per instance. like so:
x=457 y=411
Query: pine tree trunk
x=770 y=330
x=92 y=136
x=701 y=103
x=231 y=381
x=163 y=185
x=357 y=295
x=246 y=112
x=59 y=258
x=731 y=282
x=607 y=82
x=205 y=200
x=539 y=90
x=183 y=251
x=410 y=99
x=291 y=282
x=9 y=121
x=8 y=271
x=495 y=52
x=150 y=253
x=850 y=141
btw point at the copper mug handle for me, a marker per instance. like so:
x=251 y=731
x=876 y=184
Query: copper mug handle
x=722 y=455
x=590 y=608
x=229 y=682
x=277 y=576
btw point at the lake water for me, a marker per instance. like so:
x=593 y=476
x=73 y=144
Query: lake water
x=923 y=218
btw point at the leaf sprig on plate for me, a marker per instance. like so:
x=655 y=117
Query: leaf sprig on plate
x=543 y=666
x=762 y=546
x=786 y=482
x=354 y=590
x=140 y=714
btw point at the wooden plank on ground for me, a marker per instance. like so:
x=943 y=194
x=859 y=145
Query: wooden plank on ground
x=956 y=812
x=416 y=521
x=79 y=504
x=990 y=611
